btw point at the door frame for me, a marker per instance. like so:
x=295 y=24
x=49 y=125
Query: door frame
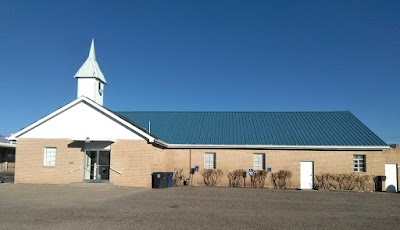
x=309 y=184
x=97 y=150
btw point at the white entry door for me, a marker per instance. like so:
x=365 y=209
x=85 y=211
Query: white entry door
x=306 y=175
x=391 y=177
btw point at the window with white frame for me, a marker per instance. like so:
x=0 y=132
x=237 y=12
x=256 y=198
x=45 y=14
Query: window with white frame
x=259 y=161
x=359 y=163
x=209 y=161
x=50 y=156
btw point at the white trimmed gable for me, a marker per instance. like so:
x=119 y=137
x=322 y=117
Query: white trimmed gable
x=80 y=119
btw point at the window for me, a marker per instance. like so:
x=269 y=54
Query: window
x=359 y=163
x=209 y=161
x=259 y=161
x=50 y=156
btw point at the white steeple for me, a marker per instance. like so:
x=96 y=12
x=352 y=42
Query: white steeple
x=90 y=78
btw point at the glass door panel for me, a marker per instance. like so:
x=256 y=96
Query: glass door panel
x=104 y=165
x=97 y=166
x=90 y=160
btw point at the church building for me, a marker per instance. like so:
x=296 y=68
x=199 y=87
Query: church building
x=84 y=142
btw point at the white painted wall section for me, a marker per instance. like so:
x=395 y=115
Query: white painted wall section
x=89 y=87
x=81 y=121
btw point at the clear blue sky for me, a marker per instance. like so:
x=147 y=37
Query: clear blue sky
x=205 y=56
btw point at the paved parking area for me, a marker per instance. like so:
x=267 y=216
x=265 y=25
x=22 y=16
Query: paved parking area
x=110 y=207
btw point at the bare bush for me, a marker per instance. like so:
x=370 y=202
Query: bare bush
x=177 y=180
x=258 y=178
x=346 y=181
x=236 y=177
x=343 y=181
x=365 y=182
x=212 y=177
x=325 y=181
x=281 y=179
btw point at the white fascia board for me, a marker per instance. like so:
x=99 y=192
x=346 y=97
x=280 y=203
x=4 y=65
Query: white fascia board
x=7 y=145
x=272 y=147
x=75 y=102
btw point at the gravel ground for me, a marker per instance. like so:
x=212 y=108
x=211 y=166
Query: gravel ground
x=91 y=206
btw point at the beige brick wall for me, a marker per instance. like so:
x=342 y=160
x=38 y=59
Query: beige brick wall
x=324 y=161
x=133 y=162
x=29 y=159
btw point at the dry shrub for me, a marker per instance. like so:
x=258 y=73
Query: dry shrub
x=258 y=178
x=281 y=179
x=325 y=181
x=236 y=177
x=178 y=177
x=212 y=177
x=365 y=182
x=346 y=181
x=343 y=181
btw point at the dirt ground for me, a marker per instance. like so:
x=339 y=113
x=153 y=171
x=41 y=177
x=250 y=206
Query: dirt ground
x=109 y=207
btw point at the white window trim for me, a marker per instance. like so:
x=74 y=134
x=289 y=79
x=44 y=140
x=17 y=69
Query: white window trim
x=256 y=161
x=356 y=161
x=207 y=161
x=51 y=162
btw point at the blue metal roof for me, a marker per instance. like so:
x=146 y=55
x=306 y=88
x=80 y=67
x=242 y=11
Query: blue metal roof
x=256 y=128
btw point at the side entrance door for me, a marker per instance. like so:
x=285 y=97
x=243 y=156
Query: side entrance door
x=391 y=177
x=97 y=166
x=306 y=174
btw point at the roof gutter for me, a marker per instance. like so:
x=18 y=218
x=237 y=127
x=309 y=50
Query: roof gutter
x=272 y=147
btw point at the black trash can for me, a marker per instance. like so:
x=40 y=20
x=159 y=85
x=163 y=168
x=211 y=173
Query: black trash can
x=378 y=183
x=162 y=179
x=158 y=180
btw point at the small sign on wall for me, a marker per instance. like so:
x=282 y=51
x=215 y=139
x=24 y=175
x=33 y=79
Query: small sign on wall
x=251 y=172
x=196 y=168
x=269 y=169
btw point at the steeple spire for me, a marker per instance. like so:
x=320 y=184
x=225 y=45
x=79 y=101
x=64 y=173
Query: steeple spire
x=90 y=78
x=92 y=52
x=91 y=69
